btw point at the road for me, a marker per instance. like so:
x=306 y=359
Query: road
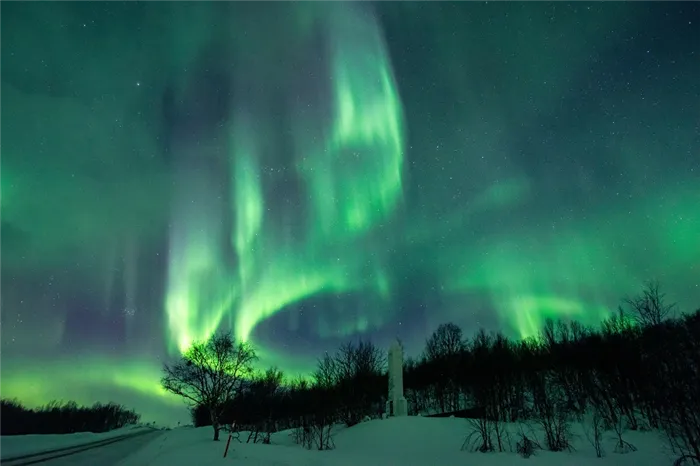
x=103 y=453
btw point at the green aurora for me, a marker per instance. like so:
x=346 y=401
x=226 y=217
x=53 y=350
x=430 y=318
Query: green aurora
x=306 y=173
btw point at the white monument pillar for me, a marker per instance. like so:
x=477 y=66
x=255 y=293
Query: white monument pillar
x=396 y=404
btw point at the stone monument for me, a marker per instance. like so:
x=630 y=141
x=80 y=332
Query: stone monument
x=396 y=404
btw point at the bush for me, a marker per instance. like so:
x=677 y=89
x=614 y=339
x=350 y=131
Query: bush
x=526 y=447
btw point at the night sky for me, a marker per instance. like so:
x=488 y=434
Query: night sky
x=308 y=173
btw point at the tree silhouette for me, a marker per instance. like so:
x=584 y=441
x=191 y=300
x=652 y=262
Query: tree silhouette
x=444 y=342
x=210 y=374
x=640 y=369
x=63 y=418
x=443 y=350
x=650 y=307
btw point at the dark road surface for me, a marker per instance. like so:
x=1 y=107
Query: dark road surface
x=102 y=454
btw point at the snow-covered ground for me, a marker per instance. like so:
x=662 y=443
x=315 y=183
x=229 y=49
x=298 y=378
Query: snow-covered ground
x=395 y=441
x=19 y=445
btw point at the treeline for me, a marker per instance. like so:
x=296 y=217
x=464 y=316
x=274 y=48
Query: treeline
x=346 y=387
x=639 y=370
x=63 y=418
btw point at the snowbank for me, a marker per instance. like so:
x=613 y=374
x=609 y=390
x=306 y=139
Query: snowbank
x=397 y=441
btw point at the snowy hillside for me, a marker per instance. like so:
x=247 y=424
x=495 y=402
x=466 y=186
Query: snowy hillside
x=395 y=441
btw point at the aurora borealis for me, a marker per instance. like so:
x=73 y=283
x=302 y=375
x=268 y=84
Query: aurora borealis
x=306 y=173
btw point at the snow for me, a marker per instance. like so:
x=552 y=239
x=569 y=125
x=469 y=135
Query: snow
x=395 y=441
x=20 y=445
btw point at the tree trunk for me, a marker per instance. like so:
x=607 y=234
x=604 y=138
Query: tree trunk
x=215 y=424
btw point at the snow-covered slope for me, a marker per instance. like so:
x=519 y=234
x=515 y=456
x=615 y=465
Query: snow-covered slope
x=397 y=441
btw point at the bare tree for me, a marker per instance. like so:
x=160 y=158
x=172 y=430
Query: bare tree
x=649 y=307
x=257 y=408
x=360 y=383
x=444 y=342
x=594 y=434
x=210 y=374
x=359 y=359
x=442 y=350
x=326 y=373
x=319 y=401
x=480 y=438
